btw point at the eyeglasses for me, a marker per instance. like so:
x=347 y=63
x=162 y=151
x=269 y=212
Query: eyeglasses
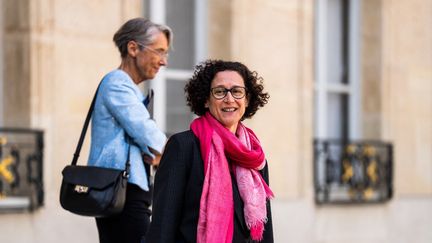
x=161 y=54
x=220 y=92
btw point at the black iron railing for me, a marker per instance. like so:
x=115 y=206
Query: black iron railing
x=352 y=172
x=21 y=169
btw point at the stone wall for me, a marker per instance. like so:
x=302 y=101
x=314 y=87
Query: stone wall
x=55 y=58
x=275 y=39
x=371 y=34
x=406 y=90
x=56 y=52
x=16 y=63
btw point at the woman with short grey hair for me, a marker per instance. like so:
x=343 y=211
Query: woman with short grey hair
x=122 y=128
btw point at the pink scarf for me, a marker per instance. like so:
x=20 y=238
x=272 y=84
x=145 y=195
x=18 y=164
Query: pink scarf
x=216 y=216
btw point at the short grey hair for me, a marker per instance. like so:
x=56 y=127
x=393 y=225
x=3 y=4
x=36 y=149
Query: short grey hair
x=140 y=30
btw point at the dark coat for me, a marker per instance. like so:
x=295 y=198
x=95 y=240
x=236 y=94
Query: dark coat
x=177 y=193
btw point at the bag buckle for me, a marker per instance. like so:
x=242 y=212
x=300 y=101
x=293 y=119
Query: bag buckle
x=81 y=189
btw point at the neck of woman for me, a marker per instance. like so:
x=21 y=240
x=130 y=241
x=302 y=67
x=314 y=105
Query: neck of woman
x=127 y=66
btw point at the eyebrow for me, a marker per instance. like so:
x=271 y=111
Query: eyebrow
x=221 y=86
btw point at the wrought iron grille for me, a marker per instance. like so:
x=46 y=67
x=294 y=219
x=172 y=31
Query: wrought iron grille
x=352 y=172
x=21 y=169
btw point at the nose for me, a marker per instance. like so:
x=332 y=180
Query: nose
x=229 y=97
x=163 y=61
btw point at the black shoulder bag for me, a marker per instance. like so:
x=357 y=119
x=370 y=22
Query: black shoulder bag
x=90 y=190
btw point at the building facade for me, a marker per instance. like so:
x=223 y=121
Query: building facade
x=334 y=69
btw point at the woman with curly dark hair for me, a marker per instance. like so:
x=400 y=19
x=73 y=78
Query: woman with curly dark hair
x=212 y=182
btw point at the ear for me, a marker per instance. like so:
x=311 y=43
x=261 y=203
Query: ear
x=206 y=105
x=132 y=48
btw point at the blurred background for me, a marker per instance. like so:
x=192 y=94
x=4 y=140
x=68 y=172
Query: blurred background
x=347 y=131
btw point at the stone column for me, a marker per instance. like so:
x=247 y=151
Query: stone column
x=16 y=79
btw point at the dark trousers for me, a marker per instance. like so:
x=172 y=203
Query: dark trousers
x=130 y=225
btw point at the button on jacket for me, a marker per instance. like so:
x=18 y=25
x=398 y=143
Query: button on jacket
x=119 y=109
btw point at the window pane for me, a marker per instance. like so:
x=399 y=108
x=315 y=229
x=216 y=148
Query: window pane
x=337 y=117
x=180 y=17
x=178 y=114
x=316 y=118
x=337 y=41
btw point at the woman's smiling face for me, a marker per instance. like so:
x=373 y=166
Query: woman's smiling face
x=228 y=110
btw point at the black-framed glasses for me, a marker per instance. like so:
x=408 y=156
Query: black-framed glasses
x=161 y=54
x=237 y=92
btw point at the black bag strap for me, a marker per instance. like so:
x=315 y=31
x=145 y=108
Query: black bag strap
x=84 y=131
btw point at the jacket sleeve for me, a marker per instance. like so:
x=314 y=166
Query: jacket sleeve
x=268 y=228
x=169 y=192
x=122 y=102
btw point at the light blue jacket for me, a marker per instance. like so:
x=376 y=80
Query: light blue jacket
x=119 y=108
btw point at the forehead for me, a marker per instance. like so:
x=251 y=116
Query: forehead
x=227 y=78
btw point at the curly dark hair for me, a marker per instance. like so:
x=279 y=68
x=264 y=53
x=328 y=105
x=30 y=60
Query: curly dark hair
x=198 y=87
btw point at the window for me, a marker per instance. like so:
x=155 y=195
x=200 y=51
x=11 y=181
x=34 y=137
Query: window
x=346 y=169
x=337 y=92
x=187 y=19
